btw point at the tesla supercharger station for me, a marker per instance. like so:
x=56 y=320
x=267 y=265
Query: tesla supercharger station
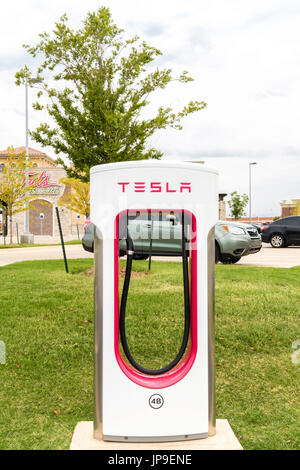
x=175 y=402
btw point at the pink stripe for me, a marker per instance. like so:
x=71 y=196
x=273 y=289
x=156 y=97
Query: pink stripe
x=177 y=373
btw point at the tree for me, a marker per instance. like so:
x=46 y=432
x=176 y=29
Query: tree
x=13 y=185
x=237 y=204
x=77 y=199
x=101 y=94
x=296 y=210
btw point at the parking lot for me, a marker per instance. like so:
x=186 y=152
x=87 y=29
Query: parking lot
x=267 y=257
x=273 y=257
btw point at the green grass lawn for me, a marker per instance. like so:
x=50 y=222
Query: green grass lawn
x=46 y=321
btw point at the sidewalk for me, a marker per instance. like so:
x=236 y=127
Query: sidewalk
x=13 y=255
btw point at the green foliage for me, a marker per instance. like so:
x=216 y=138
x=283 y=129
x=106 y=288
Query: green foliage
x=78 y=198
x=237 y=204
x=296 y=210
x=13 y=184
x=102 y=89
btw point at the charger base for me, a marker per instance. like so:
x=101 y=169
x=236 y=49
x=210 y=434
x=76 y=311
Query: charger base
x=224 y=439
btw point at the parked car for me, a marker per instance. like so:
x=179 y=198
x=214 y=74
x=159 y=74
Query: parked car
x=86 y=223
x=282 y=232
x=87 y=240
x=232 y=240
x=257 y=225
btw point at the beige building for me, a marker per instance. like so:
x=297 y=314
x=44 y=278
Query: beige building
x=47 y=189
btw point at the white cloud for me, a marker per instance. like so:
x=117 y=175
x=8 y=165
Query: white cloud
x=244 y=57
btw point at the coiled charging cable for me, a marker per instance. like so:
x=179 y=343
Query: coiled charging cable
x=187 y=310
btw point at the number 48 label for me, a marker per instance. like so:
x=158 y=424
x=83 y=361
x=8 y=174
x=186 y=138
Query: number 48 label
x=156 y=401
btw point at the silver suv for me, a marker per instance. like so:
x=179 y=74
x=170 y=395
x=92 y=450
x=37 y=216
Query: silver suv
x=232 y=240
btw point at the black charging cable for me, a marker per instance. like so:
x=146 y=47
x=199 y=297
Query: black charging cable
x=187 y=309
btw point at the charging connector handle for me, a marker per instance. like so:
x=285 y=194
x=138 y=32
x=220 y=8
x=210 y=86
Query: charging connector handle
x=187 y=309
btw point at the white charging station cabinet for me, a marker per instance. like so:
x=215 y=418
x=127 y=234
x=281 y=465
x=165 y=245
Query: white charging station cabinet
x=179 y=404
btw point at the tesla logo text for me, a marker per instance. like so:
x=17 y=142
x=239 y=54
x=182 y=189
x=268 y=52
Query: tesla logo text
x=141 y=187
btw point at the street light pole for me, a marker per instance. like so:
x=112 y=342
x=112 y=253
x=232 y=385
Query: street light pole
x=27 y=237
x=26 y=232
x=250 y=195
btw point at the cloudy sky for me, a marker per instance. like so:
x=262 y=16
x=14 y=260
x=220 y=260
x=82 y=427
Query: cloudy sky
x=244 y=57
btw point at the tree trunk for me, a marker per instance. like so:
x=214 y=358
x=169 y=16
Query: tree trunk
x=10 y=229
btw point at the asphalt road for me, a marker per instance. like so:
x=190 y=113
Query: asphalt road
x=268 y=256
